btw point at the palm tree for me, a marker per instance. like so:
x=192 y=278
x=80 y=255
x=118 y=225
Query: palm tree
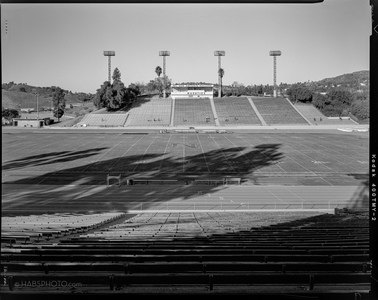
x=221 y=73
x=158 y=71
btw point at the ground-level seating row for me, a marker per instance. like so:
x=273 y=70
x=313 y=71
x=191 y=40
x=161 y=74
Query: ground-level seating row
x=112 y=281
x=181 y=267
x=267 y=254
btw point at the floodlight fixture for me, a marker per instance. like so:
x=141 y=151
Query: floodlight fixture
x=219 y=53
x=274 y=53
x=164 y=54
x=109 y=54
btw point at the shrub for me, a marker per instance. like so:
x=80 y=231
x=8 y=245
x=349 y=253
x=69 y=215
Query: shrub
x=360 y=109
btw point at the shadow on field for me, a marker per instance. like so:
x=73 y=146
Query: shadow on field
x=50 y=158
x=65 y=195
x=360 y=199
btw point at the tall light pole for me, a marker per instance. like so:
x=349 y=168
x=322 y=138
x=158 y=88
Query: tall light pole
x=109 y=54
x=274 y=53
x=219 y=54
x=36 y=94
x=164 y=54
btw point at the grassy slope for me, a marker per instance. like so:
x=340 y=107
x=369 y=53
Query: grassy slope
x=17 y=99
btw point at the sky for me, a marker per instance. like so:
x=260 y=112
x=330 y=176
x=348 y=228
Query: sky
x=63 y=44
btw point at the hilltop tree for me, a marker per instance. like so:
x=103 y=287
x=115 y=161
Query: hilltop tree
x=59 y=102
x=134 y=90
x=116 y=75
x=58 y=113
x=9 y=113
x=160 y=83
x=339 y=101
x=319 y=100
x=158 y=71
x=260 y=90
x=299 y=93
x=99 y=99
x=117 y=96
x=113 y=96
x=360 y=109
x=221 y=74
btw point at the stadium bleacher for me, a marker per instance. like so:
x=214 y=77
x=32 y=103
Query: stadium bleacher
x=193 y=111
x=221 y=251
x=278 y=111
x=43 y=227
x=235 y=111
x=103 y=120
x=155 y=112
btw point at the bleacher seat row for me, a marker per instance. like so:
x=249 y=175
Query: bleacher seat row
x=204 y=251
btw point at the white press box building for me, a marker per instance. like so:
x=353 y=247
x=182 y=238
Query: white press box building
x=192 y=91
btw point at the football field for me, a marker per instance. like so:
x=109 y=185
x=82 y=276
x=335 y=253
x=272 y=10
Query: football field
x=49 y=170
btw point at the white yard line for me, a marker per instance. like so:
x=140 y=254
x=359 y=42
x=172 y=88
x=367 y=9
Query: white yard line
x=325 y=154
x=143 y=155
x=204 y=156
x=165 y=151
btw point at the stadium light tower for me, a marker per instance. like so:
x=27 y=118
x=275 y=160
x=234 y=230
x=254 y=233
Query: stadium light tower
x=36 y=94
x=109 y=54
x=164 y=54
x=274 y=53
x=219 y=54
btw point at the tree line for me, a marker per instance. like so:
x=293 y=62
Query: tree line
x=337 y=102
x=115 y=96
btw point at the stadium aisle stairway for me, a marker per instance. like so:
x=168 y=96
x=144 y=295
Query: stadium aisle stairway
x=214 y=251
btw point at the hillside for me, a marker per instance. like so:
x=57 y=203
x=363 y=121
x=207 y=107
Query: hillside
x=354 y=78
x=17 y=99
x=18 y=96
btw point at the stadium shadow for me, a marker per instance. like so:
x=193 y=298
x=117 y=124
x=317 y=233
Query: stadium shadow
x=141 y=100
x=65 y=184
x=50 y=158
x=360 y=199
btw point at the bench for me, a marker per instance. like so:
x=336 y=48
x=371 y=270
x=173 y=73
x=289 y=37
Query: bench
x=114 y=177
x=232 y=179
x=151 y=181
x=8 y=240
x=210 y=181
x=14 y=238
